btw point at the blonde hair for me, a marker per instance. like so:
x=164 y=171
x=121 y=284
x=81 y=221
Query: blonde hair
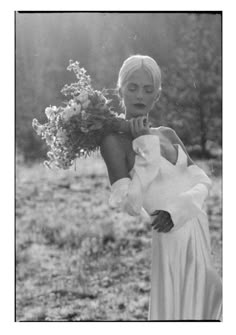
x=136 y=62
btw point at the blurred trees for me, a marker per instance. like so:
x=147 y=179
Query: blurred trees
x=186 y=46
x=194 y=83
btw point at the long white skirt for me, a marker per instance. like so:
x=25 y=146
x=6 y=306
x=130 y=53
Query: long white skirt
x=184 y=283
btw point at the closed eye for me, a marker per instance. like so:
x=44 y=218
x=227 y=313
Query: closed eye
x=132 y=87
x=149 y=89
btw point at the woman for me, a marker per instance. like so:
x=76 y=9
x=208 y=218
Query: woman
x=150 y=171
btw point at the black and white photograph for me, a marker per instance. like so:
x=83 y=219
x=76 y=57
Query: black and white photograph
x=118 y=166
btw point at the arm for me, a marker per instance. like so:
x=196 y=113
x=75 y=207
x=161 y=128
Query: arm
x=114 y=157
x=125 y=192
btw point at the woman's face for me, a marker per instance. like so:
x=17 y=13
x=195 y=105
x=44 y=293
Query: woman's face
x=138 y=94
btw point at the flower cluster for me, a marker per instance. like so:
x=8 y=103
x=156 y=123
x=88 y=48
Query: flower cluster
x=76 y=130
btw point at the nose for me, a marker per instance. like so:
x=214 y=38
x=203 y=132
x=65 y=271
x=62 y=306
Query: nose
x=140 y=94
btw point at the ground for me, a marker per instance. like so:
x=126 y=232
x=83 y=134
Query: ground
x=76 y=259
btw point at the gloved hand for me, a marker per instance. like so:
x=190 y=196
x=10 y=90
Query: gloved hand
x=162 y=222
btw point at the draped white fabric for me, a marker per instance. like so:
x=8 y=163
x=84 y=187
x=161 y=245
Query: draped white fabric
x=184 y=283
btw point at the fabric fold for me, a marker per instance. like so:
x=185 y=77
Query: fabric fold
x=128 y=193
x=189 y=204
x=147 y=160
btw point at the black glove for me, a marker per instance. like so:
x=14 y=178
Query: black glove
x=162 y=222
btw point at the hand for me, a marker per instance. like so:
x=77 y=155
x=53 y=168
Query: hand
x=162 y=222
x=139 y=126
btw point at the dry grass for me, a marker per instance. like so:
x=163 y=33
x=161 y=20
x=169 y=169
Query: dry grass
x=75 y=258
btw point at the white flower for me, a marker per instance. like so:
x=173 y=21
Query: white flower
x=69 y=111
x=84 y=130
x=38 y=127
x=61 y=136
x=121 y=116
x=76 y=108
x=85 y=104
x=49 y=139
x=84 y=115
x=50 y=112
x=40 y=130
x=54 y=108
x=83 y=96
x=84 y=99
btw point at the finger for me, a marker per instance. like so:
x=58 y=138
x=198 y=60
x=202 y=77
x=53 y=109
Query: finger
x=140 y=121
x=156 y=220
x=132 y=126
x=159 y=225
x=136 y=125
x=161 y=217
x=163 y=226
x=145 y=122
x=167 y=228
x=131 y=121
x=159 y=228
x=164 y=229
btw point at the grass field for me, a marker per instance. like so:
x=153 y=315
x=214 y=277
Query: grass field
x=78 y=260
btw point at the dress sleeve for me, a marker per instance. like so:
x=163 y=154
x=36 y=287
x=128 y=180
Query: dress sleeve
x=188 y=204
x=128 y=193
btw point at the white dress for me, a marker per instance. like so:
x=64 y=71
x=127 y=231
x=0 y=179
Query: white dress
x=184 y=283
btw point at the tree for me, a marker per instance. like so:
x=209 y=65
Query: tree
x=194 y=82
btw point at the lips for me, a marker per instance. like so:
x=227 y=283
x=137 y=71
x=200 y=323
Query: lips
x=140 y=105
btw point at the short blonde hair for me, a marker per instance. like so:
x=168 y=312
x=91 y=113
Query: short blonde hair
x=136 y=62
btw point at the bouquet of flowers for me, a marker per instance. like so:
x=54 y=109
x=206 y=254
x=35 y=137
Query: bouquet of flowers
x=76 y=129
